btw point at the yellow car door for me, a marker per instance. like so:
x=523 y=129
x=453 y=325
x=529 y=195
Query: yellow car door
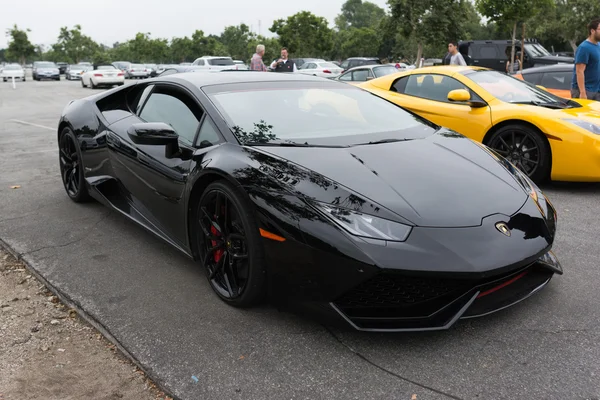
x=427 y=95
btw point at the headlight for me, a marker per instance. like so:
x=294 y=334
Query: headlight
x=365 y=225
x=588 y=126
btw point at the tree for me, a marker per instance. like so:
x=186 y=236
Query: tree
x=511 y=11
x=181 y=50
x=236 y=39
x=19 y=46
x=304 y=34
x=356 y=42
x=73 y=46
x=429 y=21
x=359 y=14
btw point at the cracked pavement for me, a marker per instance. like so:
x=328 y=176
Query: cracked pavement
x=159 y=307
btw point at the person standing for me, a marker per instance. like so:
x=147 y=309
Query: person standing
x=256 y=63
x=586 y=74
x=283 y=64
x=455 y=57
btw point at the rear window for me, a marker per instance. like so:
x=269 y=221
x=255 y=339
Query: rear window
x=220 y=61
x=557 y=80
x=383 y=71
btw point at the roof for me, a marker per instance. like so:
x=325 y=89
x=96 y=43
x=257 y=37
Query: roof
x=445 y=69
x=201 y=79
x=549 y=68
x=362 y=58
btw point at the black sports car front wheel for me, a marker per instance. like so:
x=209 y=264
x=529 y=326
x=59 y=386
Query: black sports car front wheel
x=71 y=168
x=229 y=246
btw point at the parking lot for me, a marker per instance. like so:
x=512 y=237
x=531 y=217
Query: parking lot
x=158 y=306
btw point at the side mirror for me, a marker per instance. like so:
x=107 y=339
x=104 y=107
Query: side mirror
x=460 y=95
x=152 y=133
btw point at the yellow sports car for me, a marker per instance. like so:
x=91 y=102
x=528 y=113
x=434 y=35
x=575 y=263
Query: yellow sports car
x=543 y=135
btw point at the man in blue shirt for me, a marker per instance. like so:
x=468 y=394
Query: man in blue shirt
x=586 y=74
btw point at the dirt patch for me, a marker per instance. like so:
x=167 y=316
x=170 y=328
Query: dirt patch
x=48 y=352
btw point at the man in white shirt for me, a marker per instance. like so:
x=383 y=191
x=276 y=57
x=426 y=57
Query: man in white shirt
x=283 y=64
x=455 y=57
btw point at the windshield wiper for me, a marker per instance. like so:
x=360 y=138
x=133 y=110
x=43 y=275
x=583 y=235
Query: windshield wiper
x=383 y=141
x=542 y=104
x=289 y=144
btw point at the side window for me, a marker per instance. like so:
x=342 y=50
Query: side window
x=432 y=87
x=534 y=78
x=400 y=85
x=557 y=80
x=142 y=99
x=176 y=109
x=209 y=135
x=311 y=66
x=345 y=65
x=201 y=62
x=488 y=51
x=346 y=77
x=360 y=75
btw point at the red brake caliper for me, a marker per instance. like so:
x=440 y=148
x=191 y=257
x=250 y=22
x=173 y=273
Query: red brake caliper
x=218 y=253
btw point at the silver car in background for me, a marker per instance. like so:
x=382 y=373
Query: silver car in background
x=74 y=72
x=365 y=73
x=137 y=71
x=10 y=71
x=323 y=69
x=215 y=63
x=45 y=70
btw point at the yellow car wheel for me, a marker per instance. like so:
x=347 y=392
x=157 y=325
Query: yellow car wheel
x=524 y=147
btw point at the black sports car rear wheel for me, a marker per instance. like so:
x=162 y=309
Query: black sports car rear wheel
x=229 y=246
x=71 y=168
x=525 y=148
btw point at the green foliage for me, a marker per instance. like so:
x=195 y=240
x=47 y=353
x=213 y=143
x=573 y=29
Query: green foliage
x=236 y=39
x=73 y=46
x=19 y=46
x=359 y=14
x=305 y=35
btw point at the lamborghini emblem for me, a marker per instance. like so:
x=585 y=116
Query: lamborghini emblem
x=503 y=228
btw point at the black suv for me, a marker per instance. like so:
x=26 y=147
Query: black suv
x=492 y=54
x=359 y=62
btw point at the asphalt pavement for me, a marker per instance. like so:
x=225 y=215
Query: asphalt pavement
x=159 y=308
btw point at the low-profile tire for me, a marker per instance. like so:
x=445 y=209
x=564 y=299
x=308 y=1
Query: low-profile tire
x=526 y=148
x=71 y=167
x=4 y=79
x=229 y=245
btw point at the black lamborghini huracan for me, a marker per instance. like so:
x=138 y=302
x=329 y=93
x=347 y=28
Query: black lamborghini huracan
x=315 y=194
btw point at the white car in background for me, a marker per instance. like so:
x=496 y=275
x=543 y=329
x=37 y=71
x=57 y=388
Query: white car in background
x=215 y=63
x=323 y=69
x=240 y=65
x=138 y=71
x=12 y=70
x=104 y=75
x=367 y=72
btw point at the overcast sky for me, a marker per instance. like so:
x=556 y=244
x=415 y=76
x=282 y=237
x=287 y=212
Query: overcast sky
x=109 y=21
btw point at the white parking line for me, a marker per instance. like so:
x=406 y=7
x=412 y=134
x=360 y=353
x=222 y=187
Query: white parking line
x=29 y=123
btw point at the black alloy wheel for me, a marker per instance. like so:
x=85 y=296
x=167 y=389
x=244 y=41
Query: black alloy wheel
x=71 y=168
x=525 y=148
x=229 y=246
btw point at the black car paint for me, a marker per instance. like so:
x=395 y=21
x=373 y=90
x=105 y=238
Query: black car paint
x=453 y=211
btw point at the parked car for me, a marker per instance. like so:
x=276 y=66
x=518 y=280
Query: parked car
x=214 y=63
x=321 y=196
x=45 y=70
x=323 y=69
x=367 y=72
x=545 y=136
x=492 y=54
x=62 y=67
x=74 y=72
x=103 y=75
x=358 y=61
x=137 y=71
x=151 y=70
x=556 y=79
x=240 y=65
x=12 y=71
x=301 y=61
x=123 y=66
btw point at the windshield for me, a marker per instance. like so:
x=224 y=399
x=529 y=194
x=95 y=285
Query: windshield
x=383 y=71
x=317 y=115
x=46 y=65
x=12 y=67
x=536 y=50
x=220 y=61
x=511 y=90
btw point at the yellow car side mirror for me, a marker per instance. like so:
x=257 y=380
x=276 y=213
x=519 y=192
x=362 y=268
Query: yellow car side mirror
x=461 y=95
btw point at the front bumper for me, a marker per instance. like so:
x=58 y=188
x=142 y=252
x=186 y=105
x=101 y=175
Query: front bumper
x=43 y=75
x=21 y=76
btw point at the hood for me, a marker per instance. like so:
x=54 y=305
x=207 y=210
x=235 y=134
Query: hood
x=47 y=69
x=590 y=111
x=445 y=180
x=554 y=60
